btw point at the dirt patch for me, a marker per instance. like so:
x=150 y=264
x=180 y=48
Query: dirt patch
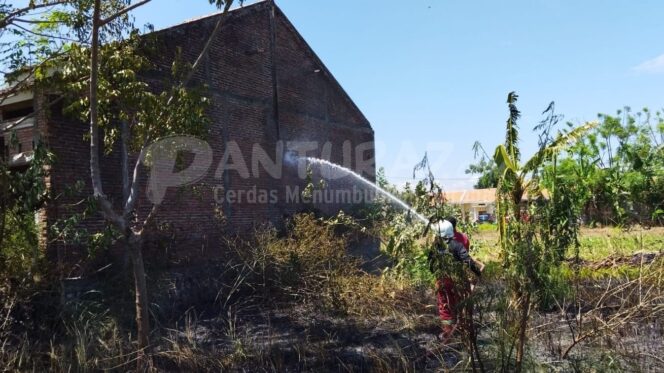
x=299 y=338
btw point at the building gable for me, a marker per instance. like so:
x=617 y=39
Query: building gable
x=299 y=69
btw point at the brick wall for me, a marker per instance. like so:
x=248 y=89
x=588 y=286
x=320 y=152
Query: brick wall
x=24 y=131
x=266 y=86
x=314 y=107
x=24 y=137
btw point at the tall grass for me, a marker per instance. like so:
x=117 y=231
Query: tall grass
x=294 y=300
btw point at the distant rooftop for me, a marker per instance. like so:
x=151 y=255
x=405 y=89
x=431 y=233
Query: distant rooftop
x=477 y=196
x=470 y=196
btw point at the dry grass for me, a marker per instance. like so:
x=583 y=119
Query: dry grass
x=298 y=302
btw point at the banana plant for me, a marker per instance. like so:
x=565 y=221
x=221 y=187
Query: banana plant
x=516 y=179
x=523 y=248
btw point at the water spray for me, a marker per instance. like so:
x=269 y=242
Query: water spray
x=392 y=197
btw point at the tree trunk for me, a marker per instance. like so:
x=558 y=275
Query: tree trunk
x=3 y=212
x=469 y=330
x=3 y=193
x=523 y=326
x=135 y=243
x=95 y=173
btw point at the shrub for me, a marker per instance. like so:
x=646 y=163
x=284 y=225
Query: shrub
x=301 y=265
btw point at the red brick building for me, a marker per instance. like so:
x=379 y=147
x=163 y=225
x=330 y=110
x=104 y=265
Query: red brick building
x=266 y=86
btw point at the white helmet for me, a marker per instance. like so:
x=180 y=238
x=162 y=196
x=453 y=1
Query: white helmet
x=443 y=229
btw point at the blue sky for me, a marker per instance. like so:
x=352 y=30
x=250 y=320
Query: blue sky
x=433 y=75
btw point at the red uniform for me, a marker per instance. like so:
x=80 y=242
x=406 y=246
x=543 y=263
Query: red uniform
x=447 y=295
x=462 y=239
x=447 y=300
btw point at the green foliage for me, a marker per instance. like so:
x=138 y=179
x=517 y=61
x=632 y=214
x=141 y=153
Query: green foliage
x=402 y=242
x=488 y=172
x=619 y=169
x=512 y=132
x=44 y=32
x=124 y=97
x=617 y=166
x=22 y=194
x=405 y=239
x=535 y=235
x=20 y=246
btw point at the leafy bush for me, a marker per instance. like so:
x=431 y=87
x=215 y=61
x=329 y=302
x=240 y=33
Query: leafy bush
x=20 y=251
x=22 y=193
x=403 y=243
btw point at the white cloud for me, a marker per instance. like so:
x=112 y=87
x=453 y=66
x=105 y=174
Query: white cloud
x=652 y=66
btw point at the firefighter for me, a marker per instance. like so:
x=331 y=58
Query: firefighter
x=458 y=236
x=447 y=262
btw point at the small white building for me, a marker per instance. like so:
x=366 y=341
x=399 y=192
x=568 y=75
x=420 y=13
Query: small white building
x=473 y=202
x=476 y=202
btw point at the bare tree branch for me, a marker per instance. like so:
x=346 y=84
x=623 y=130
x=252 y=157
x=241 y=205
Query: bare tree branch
x=122 y=12
x=124 y=154
x=21 y=11
x=95 y=173
x=148 y=220
x=208 y=44
x=49 y=36
x=35 y=21
x=133 y=193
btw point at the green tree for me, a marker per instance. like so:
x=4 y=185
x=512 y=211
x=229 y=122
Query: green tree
x=26 y=51
x=27 y=46
x=91 y=48
x=120 y=103
x=618 y=168
x=533 y=239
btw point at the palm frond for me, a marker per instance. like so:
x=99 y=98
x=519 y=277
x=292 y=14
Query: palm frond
x=560 y=143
